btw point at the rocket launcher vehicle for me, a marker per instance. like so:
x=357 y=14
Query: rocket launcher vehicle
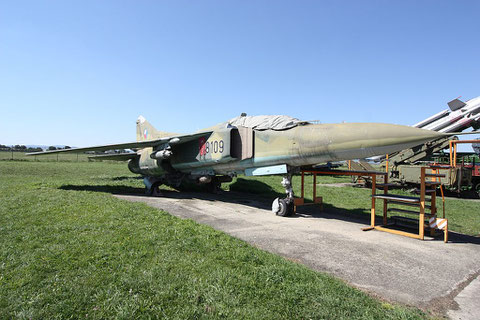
x=459 y=117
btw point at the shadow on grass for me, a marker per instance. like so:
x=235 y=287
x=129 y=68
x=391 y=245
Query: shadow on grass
x=259 y=195
x=113 y=189
x=470 y=195
x=122 y=178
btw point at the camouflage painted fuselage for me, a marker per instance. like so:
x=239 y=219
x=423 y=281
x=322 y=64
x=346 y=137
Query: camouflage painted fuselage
x=226 y=150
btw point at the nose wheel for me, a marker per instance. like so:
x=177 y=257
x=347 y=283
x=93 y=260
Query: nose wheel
x=285 y=207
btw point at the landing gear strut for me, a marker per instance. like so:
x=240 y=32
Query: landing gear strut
x=214 y=186
x=285 y=207
x=152 y=186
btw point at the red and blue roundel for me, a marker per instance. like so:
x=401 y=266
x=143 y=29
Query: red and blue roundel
x=145 y=134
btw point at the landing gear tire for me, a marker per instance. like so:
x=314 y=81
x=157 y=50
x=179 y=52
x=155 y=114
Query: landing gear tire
x=214 y=186
x=282 y=207
x=154 y=190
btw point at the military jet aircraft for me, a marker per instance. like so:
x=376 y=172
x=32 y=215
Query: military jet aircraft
x=253 y=145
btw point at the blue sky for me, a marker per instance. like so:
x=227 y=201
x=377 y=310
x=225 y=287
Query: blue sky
x=80 y=72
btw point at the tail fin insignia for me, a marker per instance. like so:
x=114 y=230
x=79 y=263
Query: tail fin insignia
x=145 y=131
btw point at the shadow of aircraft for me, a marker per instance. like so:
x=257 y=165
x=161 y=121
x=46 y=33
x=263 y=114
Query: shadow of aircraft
x=113 y=189
x=259 y=195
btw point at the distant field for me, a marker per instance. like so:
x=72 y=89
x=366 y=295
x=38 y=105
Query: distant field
x=16 y=155
x=68 y=249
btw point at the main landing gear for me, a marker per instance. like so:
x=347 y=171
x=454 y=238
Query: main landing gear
x=152 y=186
x=214 y=186
x=285 y=207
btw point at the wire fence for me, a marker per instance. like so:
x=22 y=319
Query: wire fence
x=20 y=155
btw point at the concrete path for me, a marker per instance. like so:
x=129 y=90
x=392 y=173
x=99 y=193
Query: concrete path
x=468 y=301
x=428 y=274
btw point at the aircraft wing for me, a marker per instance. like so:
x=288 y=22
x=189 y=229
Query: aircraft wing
x=128 y=145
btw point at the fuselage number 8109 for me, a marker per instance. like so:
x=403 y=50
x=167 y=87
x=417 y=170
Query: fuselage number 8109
x=206 y=147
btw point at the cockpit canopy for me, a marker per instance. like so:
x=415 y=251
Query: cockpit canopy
x=279 y=122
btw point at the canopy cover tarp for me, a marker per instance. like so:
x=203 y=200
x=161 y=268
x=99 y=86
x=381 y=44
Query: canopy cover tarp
x=279 y=122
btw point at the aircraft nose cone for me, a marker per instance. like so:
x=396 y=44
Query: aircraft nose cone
x=391 y=134
x=372 y=139
x=363 y=140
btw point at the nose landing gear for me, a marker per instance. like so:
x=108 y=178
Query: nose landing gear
x=285 y=207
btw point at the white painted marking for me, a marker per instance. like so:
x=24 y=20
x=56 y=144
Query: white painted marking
x=141 y=119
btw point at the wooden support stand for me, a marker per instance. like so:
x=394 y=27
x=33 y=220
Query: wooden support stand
x=419 y=202
x=316 y=200
x=428 y=189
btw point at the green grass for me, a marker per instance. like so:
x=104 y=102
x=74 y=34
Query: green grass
x=69 y=251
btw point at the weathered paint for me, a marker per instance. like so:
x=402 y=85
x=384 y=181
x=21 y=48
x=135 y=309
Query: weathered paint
x=302 y=145
x=307 y=145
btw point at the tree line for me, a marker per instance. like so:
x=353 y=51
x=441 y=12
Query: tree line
x=23 y=148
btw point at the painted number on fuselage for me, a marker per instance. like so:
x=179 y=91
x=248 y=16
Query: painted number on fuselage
x=205 y=147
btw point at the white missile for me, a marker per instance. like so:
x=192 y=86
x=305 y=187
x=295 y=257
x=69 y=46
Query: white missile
x=161 y=155
x=429 y=120
x=460 y=117
x=462 y=124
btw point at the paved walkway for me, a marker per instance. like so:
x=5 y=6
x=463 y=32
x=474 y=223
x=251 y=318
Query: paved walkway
x=428 y=274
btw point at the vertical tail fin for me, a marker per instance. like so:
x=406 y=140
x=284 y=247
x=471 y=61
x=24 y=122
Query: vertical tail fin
x=145 y=131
